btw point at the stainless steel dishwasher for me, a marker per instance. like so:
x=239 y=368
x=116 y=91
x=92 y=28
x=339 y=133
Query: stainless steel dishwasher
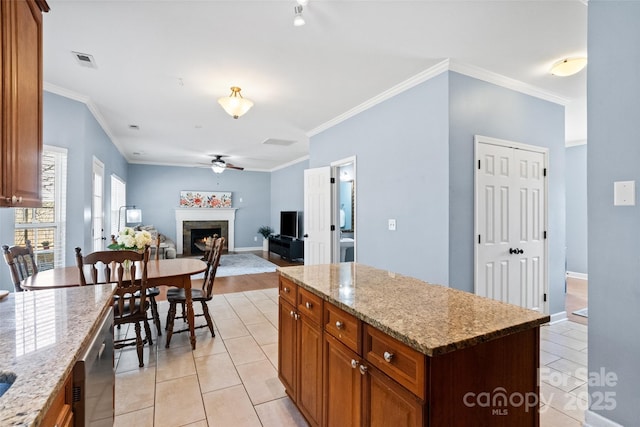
x=94 y=379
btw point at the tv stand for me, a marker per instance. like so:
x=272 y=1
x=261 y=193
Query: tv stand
x=286 y=247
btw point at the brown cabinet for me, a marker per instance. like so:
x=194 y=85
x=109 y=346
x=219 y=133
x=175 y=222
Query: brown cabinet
x=300 y=350
x=60 y=413
x=21 y=98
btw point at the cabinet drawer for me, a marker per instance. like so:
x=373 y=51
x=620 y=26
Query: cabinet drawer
x=402 y=363
x=342 y=325
x=310 y=305
x=288 y=290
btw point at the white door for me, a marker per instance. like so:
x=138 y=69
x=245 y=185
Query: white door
x=317 y=216
x=511 y=223
x=97 y=208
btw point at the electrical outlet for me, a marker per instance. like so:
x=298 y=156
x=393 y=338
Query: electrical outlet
x=392 y=225
x=255 y=238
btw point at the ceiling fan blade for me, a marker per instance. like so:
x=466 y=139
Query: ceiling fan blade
x=230 y=166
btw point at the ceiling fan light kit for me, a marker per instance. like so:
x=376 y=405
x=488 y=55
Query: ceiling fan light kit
x=298 y=19
x=568 y=67
x=234 y=104
x=218 y=165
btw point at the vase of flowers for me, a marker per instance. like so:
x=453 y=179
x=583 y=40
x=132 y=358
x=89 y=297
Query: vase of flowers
x=131 y=240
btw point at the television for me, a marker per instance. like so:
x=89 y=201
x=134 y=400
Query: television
x=289 y=224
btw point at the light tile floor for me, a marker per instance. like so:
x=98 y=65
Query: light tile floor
x=232 y=380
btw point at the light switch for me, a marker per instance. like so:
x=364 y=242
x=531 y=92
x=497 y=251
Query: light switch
x=624 y=193
x=392 y=225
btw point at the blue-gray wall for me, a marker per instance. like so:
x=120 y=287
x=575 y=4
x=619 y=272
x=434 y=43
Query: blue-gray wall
x=577 y=209
x=156 y=190
x=481 y=108
x=287 y=191
x=613 y=91
x=415 y=164
x=402 y=156
x=70 y=124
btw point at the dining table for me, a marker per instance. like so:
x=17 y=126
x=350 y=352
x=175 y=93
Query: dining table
x=163 y=272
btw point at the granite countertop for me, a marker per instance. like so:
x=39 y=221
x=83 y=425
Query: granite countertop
x=41 y=336
x=432 y=319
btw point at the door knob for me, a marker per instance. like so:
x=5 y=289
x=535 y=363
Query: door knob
x=520 y=251
x=513 y=251
x=306 y=235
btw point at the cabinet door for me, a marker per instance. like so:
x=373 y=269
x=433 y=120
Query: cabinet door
x=386 y=403
x=342 y=385
x=287 y=347
x=21 y=103
x=310 y=370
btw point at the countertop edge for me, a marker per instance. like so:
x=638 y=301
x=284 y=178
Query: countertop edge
x=434 y=351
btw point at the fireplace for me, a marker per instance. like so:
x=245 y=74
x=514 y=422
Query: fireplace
x=220 y=221
x=194 y=233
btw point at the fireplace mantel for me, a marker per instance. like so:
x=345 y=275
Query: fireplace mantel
x=205 y=214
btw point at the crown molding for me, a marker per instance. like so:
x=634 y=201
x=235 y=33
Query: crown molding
x=506 y=82
x=425 y=75
x=90 y=105
x=431 y=72
x=291 y=163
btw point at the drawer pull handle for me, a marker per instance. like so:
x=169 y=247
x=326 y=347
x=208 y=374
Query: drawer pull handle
x=363 y=369
x=286 y=290
x=388 y=356
x=339 y=324
x=308 y=305
x=354 y=363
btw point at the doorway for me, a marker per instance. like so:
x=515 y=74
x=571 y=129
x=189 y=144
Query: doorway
x=97 y=207
x=510 y=222
x=344 y=210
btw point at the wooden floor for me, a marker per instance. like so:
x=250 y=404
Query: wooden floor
x=245 y=282
x=576 y=299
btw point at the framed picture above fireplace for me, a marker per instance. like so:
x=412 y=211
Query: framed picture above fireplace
x=205 y=199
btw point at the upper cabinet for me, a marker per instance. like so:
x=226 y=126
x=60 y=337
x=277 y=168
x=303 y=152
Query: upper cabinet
x=21 y=97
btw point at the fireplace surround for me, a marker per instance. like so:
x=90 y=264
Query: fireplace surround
x=208 y=217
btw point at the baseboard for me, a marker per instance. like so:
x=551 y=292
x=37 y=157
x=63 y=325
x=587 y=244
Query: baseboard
x=576 y=275
x=560 y=316
x=248 y=249
x=592 y=419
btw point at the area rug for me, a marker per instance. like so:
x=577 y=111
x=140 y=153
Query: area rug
x=237 y=264
x=584 y=312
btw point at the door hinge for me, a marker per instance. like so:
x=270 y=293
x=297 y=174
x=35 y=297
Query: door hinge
x=333 y=227
x=478 y=164
x=332 y=180
x=478 y=239
x=544 y=234
x=545 y=297
x=544 y=172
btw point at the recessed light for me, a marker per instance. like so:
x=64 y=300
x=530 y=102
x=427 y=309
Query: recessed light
x=85 y=59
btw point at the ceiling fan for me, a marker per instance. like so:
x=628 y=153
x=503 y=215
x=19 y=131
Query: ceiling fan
x=218 y=165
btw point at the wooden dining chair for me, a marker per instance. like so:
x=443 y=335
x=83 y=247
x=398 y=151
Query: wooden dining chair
x=21 y=262
x=204 y=295
x=154 y=292
x=130 y=302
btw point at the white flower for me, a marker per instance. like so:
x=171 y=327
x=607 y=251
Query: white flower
x=128 y=238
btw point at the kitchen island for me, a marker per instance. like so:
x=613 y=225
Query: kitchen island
x=42 y=334
x=363 y=346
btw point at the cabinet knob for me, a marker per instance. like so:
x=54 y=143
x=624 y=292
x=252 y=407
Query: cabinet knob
x=339 y=324
x=354 y=363
x=286 y=290
x=387 y=356
x=296 y=316
x=363 y=369
x=291 y=313
x=308 y=305
x=14 y=199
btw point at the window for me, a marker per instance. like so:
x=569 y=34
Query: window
x=45 y=226
x=118 y=198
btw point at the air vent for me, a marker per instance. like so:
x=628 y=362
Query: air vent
x=85 y=59
x=134 y=127
x=281 y=142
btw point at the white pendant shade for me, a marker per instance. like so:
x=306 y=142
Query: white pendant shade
x=568 y=67
x=235 y=105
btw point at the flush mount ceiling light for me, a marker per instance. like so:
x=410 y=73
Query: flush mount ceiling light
x=234 y=104
x=298 y=19
x=568 y=67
